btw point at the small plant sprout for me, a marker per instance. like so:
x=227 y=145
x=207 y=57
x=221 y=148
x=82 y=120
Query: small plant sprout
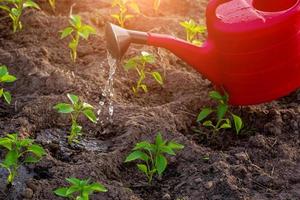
x=76 y=31
x=193 y=31
x=79 y=189
x=75 y=109
x=5 y=77
x=122 y=16
x=156 y=5
x=152 y=156
x=15 y=9
x=52 y=3
x=19 y=151
x=221 y=111
x=139 y=63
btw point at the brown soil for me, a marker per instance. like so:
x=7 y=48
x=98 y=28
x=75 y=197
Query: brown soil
x=261 y=163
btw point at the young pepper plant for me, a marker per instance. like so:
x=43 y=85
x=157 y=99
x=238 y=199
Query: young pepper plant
x=139 y=63
x=79 y=189
x=75 y=31
x=5 y=77
x=193 y=31
x=153 y=156
x=20 y=151
x=221 y=111
x=75 y=109
x=122 y=16
x=15 y=9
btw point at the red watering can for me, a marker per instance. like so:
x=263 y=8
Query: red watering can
x=252 y=50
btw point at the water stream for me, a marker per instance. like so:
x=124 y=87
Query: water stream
x=108 y=92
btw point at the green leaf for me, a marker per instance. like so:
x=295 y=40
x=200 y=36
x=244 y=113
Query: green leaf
x=222 y=110
x=76 y=128
x=26 y=142
x=160 y=164
x=226 y=125
x=137 y=155
x=64 y=108
x=157 y=77
x=174 y=145
x=7 y=97
x=75 y=20
x=87 y=106
x=86 y=31
x=85 y=195
x=143 y=145
x=73 y=98
x=1 y=92
x=168 y=150
x=11 y=158
x=147 y=57
x=31 y=159
x=142 y=168
x=31 y=4
x=3 y=70
x=90 y=115
x=74 y=181
x=238 y=123
x=72 y=189
x=62 y=192
x=37 y=150
x=15 y=12
x=66 y=32
x=5 y=8
x=204 y=114
x=6 y=142
x=98 y=187
x=159 y=140
x=13 y=137
x=208 y=124
x=216 y=95
x=130 y=64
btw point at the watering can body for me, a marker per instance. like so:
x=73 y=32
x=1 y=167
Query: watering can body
x=252 y=50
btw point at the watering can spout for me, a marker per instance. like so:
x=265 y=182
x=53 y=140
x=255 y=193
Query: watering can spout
x=119 y=39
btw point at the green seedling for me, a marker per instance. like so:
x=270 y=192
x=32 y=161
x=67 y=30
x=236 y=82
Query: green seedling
x=124 y=5
x=140 y=63
x=193 y=31
x=15 y=9
x=75 y=31
x=222 y=112
x=156 y=5
x=20 y=151
x=79 y=189
x=153 y=156
x=5 y=77
x=75 y=109
x=52 y=4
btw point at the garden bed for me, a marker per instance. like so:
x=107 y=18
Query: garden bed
x=263 y=162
